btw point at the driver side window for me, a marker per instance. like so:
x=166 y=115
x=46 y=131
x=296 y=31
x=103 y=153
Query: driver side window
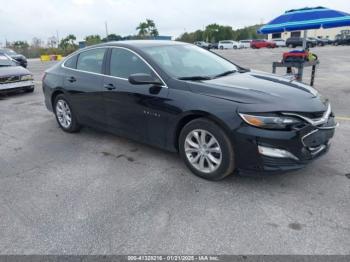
x=125 y=63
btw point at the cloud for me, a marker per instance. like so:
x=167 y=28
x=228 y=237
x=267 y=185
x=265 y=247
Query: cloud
x=42 y=18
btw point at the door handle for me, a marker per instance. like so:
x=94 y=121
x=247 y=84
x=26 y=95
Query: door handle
x=109 y=86
x=71 y=79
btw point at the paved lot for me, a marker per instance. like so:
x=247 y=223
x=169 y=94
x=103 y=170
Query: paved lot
x=95 y=193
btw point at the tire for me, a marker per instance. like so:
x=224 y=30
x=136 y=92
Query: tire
x=290 y=46
x=234 y=47
x=61 y=103
x=222 y=149
x=221 y=47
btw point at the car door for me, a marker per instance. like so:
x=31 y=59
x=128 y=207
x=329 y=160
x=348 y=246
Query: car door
x=134 y=110
x=84 y=83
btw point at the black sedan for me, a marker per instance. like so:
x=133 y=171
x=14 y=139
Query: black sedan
x=21 y=59
x=219 y=116
x=14 y=77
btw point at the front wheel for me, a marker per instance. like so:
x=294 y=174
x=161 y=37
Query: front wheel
x=64 y=115
x=206 y=149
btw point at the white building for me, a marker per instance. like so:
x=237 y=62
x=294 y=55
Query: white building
x=318 y=33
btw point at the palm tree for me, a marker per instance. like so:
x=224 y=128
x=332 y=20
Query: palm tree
x=150 y=23
x=154 y=32
x=143 y=29
x=71 y=38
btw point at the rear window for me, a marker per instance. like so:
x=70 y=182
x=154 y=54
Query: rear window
x=71 y=62
x=91 y=60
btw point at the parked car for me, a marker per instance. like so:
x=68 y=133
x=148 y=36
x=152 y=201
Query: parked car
x=229 y=44
x=219 y=116
x=14 y=77
x=293 y=42
x=319 y=41
x=18 y=57
x=342 y=40
x=245 y=43
x=214 y=46
x=279 y=42
x=202 y=44
x=260 y=43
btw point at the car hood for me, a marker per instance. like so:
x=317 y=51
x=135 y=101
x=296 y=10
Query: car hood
x=267 y=91
x=13 y=71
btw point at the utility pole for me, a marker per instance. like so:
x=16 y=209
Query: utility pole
x=106 y=25
x=58 y=39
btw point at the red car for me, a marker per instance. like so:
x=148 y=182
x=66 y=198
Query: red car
x=259 y=43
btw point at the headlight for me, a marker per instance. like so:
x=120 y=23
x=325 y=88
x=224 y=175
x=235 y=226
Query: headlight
x=26 y=77
x=269 y=122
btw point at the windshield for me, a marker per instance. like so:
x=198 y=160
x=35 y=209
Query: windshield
x=8 y=51
x=5 y=61
x=182 y=61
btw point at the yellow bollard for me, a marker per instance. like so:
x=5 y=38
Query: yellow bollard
x=46 y=58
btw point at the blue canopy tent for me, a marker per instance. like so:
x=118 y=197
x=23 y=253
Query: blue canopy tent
x=304 y=19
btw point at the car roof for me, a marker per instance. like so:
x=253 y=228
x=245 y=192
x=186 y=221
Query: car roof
x=142 y=43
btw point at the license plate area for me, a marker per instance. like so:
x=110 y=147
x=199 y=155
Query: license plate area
x=317 y=138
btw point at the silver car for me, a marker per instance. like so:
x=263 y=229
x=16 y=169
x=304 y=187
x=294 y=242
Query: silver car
x=14 y=77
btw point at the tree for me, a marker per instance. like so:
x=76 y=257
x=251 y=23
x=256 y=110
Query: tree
x=36 y=42
x=52 y=42
x=143 y=29
x=71 y=39
x=20 y=45
x=147 y=29
x=68 y=42
x=93 y=39
x=152 y=29
x=214 y=33
x=112 y=37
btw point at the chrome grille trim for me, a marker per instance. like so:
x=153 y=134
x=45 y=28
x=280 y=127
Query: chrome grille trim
x=318 y=121
x=9 y=79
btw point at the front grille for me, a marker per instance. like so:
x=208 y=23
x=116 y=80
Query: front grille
x=278 y=162
x=313 y=115
x=9 y=79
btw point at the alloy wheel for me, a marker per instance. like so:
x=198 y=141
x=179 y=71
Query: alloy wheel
x=203 y=151
x=63 y=113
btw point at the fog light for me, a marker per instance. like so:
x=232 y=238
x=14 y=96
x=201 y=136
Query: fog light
x=274 y=152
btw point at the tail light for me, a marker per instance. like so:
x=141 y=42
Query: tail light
x=43 y=76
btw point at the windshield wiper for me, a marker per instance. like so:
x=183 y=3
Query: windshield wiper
x=225 y=73
x=195 y=78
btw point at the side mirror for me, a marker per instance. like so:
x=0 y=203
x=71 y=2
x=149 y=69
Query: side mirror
x=144 y=79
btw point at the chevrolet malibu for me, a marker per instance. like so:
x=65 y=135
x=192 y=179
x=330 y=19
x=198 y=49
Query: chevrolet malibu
x=219 y=116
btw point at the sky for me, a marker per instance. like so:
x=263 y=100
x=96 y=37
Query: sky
x=25 y=19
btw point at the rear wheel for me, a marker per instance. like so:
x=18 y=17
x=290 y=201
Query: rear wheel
x=206 y=149
x=64 y=115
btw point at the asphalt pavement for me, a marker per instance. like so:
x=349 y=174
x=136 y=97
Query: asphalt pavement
x=96 y=193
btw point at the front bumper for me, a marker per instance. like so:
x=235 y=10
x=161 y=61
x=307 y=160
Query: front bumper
x=304 y=146
x=16 y=86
